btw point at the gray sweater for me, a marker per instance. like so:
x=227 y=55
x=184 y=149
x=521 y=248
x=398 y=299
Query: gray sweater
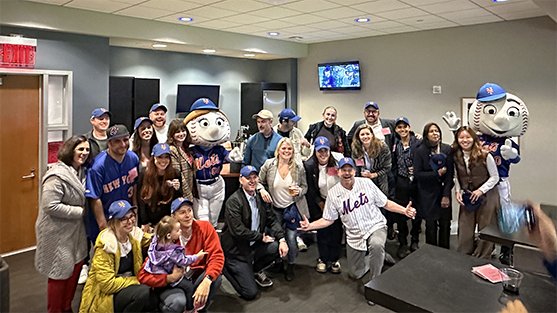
x=60 y=231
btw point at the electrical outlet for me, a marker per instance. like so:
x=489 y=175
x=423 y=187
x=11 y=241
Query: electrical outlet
x=436 y=90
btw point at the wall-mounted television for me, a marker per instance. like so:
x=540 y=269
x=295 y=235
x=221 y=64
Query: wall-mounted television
x=339 y=75
x=187 y=94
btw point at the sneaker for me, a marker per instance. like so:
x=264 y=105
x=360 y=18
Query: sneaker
x=301 y=244
x=335 y=267
x=83 y=274
x=414 y=246
x=402 y=251
x=370 y=303
x=262 y=280
x=321 y=267
x=289 y=274
x=389 y=259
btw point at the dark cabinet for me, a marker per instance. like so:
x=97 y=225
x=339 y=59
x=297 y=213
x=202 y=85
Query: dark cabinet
x=253 y=100
x=130 y=98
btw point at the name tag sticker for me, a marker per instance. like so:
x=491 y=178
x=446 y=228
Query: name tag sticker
x=386 y=131
x=133 y=173
x=359 y=162
x=332 y=171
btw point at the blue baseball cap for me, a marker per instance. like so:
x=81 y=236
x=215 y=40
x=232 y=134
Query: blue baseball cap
x=345 y=161
x=402 y=119
x=157 y=106
x=288 y=114
x=371 y=104
x=177 y=203
x=100 y=111
x=246 y=170
x=160 y=149
x=203 y=104
x=119 y=208
x=116 y=131
x=321 y=142
x=490 y=92
x=141 y=120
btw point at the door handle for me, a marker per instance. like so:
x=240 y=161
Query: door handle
x=32 y=175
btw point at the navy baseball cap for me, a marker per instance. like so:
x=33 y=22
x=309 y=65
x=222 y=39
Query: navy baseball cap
x=371 y=104
x=246 y=170
x=177 y=203
x=160 y=149
x=203 y=104
x=345 y=161
x=100 y=111
x=288 y=114
x=116 y=131
x=437 y=161
x=157 y=106
x=402 y=119
x=118 y=209
x=141 y=120
x=321 y=142
x=490 y=92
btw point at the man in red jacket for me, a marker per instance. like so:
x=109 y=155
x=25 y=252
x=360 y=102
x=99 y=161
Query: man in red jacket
x=203 y=274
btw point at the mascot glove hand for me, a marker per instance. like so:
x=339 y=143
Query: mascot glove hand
x=236 y=156
x=507 y=150
x=451 y=120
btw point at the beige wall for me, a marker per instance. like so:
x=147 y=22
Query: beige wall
x=398 y=72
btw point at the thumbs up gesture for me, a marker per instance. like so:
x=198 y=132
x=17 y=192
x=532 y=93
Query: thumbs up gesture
x=507 y=150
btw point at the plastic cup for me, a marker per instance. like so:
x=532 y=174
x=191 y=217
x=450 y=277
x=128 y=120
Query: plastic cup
x=511 y=280
x=293 y=190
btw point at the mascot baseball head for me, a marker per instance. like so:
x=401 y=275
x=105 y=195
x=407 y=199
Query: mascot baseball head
x=208 y=126
x=498 y=113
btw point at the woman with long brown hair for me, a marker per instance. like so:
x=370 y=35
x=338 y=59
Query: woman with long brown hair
x=477 y=176
x=143 y=140
x=158 y=186
x=372 y=157
x=182 y=158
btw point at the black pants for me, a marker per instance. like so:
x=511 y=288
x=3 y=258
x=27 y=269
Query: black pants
x=405 y=192
x=438 y=232
x=329 y=242
x=132 y=299
x=240 y=273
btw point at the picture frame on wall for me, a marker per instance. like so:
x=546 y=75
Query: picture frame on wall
x=465 y=105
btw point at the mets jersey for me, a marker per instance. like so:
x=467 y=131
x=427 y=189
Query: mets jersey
x=209 y=161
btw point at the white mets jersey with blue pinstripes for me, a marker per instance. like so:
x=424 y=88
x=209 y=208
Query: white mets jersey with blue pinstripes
x=358 y=209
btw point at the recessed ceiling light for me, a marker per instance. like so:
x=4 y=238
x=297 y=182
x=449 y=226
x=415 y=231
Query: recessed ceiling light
x=185 y=19
x=273 y=33
x=296 y=38
x=158 y=45
x=249 y=55
x=500 y=0
x=209 y=50
x=362 y=20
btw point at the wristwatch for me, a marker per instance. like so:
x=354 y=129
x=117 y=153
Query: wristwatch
x=209 y=277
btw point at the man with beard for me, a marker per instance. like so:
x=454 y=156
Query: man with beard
x=100 y=119
x=157 y=114
x=261 y=146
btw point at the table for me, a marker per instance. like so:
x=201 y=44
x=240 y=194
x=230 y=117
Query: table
x=434 y=279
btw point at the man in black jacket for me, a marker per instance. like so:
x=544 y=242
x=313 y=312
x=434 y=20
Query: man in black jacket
x=247 y=247
x=98 y=142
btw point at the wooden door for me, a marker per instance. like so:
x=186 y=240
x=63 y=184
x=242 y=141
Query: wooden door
x=19 y=160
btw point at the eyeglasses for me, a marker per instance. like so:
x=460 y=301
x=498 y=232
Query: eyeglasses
x=372 y=111
x=128 y=218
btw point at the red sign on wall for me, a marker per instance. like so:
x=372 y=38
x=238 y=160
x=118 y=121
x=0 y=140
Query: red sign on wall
x=17 y=52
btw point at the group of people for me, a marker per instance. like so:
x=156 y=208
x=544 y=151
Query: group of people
x=124 y=194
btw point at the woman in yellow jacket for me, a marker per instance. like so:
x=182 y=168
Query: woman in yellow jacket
x=112 y=285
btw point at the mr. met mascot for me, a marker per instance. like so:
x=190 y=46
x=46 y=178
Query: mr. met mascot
x=208 y=128
x=497 y=115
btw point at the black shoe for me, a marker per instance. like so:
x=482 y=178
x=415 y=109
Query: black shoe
x=370 y=303
x=277 y=268
x=402 y=251
x=506 y=258
x=414 y=246
x=391 y=233
x=389 y=260
x=262 y=280
x=289 y=274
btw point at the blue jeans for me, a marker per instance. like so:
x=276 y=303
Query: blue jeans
x=289 y=235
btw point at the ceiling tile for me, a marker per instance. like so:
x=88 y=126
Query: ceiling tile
x=420 y=20
x=440 y=24
x=329 y=25
x=98 y=5
x=465 y=14
x=170 y=5
x=55 y=2
x=449 y=6
x=349 y=2
x=372 y=19
x=240 y=5
x=275 y=12
x=217 y=24
x=204 y=2
x=212 y=13
x=339 y=13
x=173 y=18
x=522 y=14
x=350 y=29
x=308 y=6
x=418 y=3
x=274 y=24
x=325 y=34
x=245 y=19
x=383 y=25
x=403 y=29
x=478 y=20
x=380 y=6
x=369 y=33
x=304 y=19
x=512 y=7
x=489 y=3
x=300 y=29
x=144 y=12
x=402 y=13
x=246 y=29
x=126 y=1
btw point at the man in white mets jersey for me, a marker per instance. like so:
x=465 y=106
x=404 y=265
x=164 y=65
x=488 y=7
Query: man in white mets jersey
x=357 y=201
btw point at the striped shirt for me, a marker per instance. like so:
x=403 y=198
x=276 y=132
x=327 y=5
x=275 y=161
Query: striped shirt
x=358 y=209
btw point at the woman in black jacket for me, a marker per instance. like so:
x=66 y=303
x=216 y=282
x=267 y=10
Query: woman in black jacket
x=329 y=129
x=433 y=171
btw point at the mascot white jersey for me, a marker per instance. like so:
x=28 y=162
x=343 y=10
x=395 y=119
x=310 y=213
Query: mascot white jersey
x=208 y=127
x=497 y=115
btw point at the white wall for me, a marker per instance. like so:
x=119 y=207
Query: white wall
x=398 y=72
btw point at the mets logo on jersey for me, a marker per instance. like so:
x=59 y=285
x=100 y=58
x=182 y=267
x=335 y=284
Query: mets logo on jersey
x=113 y=130
x=347 y=207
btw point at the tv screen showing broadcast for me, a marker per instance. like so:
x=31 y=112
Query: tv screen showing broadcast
x=339 y=76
